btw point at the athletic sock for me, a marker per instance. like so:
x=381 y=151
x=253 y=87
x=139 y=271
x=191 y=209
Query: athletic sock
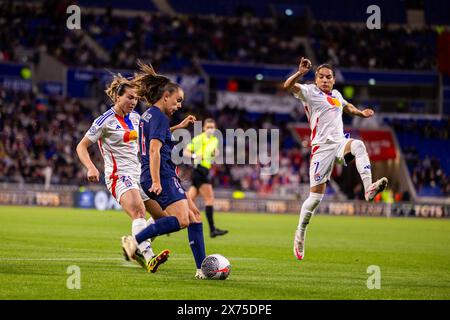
x=209 y=210
x=161 y=226
x=150 y=221
x=145 y=247
x=358 y=149
x=197 y=243
x=308 y=208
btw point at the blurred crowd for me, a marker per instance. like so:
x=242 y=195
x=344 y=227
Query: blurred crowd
x=293 y=164
x=428 y=175
x=344 y=45
x=38 y=136
x=177 y=42
x=429 y=168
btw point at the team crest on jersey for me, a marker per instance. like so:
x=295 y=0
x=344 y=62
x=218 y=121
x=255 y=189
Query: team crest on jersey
x=317 y=177
x=93 y=130
x=127 y=181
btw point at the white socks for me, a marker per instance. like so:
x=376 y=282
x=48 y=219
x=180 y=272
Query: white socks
x=358 y=149
x=150 y=221
x=308 y=208
x=145 y=247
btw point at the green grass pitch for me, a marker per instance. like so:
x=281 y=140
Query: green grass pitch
x=37 y=245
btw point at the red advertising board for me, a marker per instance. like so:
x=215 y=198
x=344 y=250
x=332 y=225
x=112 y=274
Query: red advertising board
x=379 y=143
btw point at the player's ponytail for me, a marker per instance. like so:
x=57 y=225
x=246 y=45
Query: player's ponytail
x=117 y=86
x=150 y=85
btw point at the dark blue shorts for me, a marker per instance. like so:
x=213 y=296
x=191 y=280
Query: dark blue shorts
x=172 y=191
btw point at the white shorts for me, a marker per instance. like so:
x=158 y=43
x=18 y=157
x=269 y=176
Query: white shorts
x=323 y=157
x=119 y=186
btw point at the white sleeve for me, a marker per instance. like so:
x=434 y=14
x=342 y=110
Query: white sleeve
x=303 y=94
x=95 y=131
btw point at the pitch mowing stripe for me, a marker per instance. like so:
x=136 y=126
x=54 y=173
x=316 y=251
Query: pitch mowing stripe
x=178 y=257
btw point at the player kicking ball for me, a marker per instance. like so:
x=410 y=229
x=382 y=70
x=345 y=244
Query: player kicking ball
x=159 y=179
x=324 y=106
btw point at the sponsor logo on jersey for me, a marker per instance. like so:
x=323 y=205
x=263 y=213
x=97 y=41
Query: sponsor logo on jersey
x=333 y=101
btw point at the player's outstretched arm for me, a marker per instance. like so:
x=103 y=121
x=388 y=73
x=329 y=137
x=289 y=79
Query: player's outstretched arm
x=185 y=123
x=353 y=111
x=291 y=83
x=82 y=150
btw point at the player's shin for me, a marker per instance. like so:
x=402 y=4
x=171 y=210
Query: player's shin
x=144 y=247
x=307 y=211
x=197 y=243
x=209 y=210
x=308 y=208
x=358 y=149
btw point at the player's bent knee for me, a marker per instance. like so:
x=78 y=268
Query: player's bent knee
x=183 y=221
x=358 y=148
x=313 y=201
x=137 y=213
x=194 y=218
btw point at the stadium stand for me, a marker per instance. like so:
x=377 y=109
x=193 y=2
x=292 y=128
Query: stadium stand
x=241 y=32
x=174 y=43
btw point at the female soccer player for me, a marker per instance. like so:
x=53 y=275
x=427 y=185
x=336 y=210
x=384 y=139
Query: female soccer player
x=158 y=172
x=203 y=149
x=116 y=134
x=324 y=107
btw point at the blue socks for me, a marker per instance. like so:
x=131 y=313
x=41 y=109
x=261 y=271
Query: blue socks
x=161 y=226
x=197 y=243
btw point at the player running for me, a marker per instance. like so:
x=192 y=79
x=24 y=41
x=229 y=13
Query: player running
x=158 y=177
x=323 y=107
x=203 y=149
x=116 y=134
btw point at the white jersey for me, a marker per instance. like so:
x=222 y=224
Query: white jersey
x=324 y=112
x=117 y=140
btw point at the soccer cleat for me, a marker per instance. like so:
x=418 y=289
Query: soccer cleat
x=299 y=246
x=217 y=232
x=129 y=247
x=156 y=261
x=199 y=274
x=375 y=188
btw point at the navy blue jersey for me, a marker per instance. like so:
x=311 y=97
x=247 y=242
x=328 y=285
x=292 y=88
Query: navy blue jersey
x=154 y=124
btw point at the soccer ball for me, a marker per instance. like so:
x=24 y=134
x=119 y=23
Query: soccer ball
x=216 y=266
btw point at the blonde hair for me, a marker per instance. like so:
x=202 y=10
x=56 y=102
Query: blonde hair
x=117 y=86
x=150 y=85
